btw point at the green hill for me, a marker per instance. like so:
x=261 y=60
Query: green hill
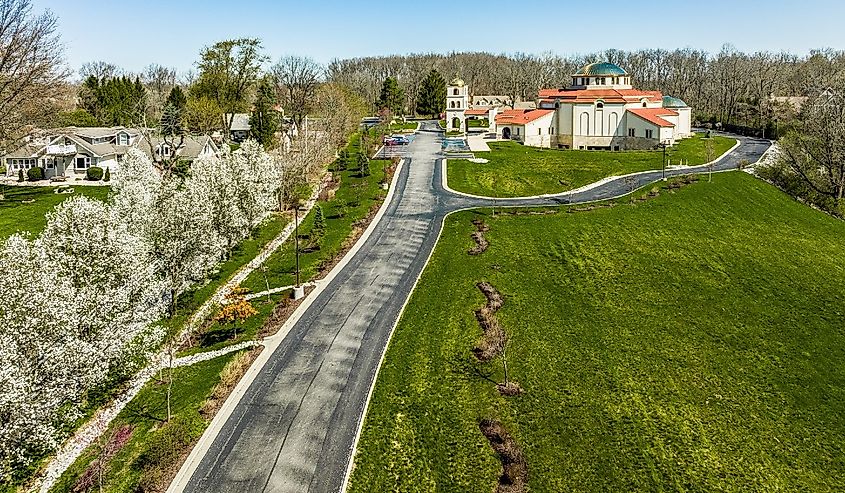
x=690 y=341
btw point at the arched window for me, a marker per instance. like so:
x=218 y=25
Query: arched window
x=455 y=92
x=585 y=123
x=645 y=105
x=600 y=105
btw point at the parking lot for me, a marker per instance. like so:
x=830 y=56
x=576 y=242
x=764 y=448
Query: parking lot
x=395 y=146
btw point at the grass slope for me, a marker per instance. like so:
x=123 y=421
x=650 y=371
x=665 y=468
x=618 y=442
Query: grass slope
x=153 y=445
x=689 y=342
x=515 y=170
x=18 y=215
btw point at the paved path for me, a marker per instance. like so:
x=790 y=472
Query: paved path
x=294 y=428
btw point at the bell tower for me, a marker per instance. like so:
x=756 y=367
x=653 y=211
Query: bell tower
x=457 y=102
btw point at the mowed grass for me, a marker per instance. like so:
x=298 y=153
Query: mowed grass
x=355 y=198
x=154 y=444
x=691 y=342
x=515 y=170
x=24 y=208
x=400 y=126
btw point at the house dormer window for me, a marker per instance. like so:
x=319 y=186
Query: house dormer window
x=122 y=139
x=164 y=150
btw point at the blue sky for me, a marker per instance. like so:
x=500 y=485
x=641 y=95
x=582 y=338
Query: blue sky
x=135 y=34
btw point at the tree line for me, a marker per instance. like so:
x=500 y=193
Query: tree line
x=730 y=87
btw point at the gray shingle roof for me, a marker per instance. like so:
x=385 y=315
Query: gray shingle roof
x=240 y=122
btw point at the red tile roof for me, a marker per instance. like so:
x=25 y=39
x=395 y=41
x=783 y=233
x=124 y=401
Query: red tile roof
x=520 y=117
x=653 y=115
x=477 y=112
x=607 y=95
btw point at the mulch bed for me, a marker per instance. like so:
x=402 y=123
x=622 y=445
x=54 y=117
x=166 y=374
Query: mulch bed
x=481 y=242
x=494 y=338
x=514 y=478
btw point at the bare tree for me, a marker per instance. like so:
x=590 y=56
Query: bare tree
x=99 y=69
x=711 y=154
x=297 y=79
x=158 y=80
x=32 y=69
x=816 y=152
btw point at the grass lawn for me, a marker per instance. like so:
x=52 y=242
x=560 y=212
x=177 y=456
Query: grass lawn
x=398 y=126
x=24 y=208
x=153 y=445
x=515 y=170
x=689 y=342
x=478 y=123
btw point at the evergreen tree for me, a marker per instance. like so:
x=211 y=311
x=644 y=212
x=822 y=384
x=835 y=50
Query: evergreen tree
x=264 y=121
x=115 y=101
x=319 y=228
x=363 y=165
x=177 y=98
x=172 y=121
x=342 y=160
x=431 y=100
x=107 y=176
x=392 y=97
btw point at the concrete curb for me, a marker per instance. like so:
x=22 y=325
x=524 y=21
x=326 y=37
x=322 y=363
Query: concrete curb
x=576 y=190
x=271 y=343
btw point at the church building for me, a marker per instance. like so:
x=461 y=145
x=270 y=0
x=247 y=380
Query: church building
x=600 y=110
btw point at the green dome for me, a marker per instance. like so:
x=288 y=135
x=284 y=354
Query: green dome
x=600 y=70
x=670 y=102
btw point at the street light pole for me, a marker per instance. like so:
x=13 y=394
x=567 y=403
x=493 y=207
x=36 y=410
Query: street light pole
x=296 y=239
x=663 y=145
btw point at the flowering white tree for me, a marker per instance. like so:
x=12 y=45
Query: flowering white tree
x=35 y=371
x=80 y=301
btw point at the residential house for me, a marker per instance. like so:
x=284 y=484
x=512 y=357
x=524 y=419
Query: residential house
x=239 y=131
x=70 y=152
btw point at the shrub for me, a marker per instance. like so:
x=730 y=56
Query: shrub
x=20 y=175
x=319 y=228
x=342 y=160
x=35 y=174
x=94 y=173
x=107 y=176
x=363 y=164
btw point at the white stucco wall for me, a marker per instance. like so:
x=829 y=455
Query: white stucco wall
x=684 y=126
x=538 y=132
x=640 y=126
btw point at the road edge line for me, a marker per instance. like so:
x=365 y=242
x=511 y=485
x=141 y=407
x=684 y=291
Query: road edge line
x=589 y=186
x=189 y=467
